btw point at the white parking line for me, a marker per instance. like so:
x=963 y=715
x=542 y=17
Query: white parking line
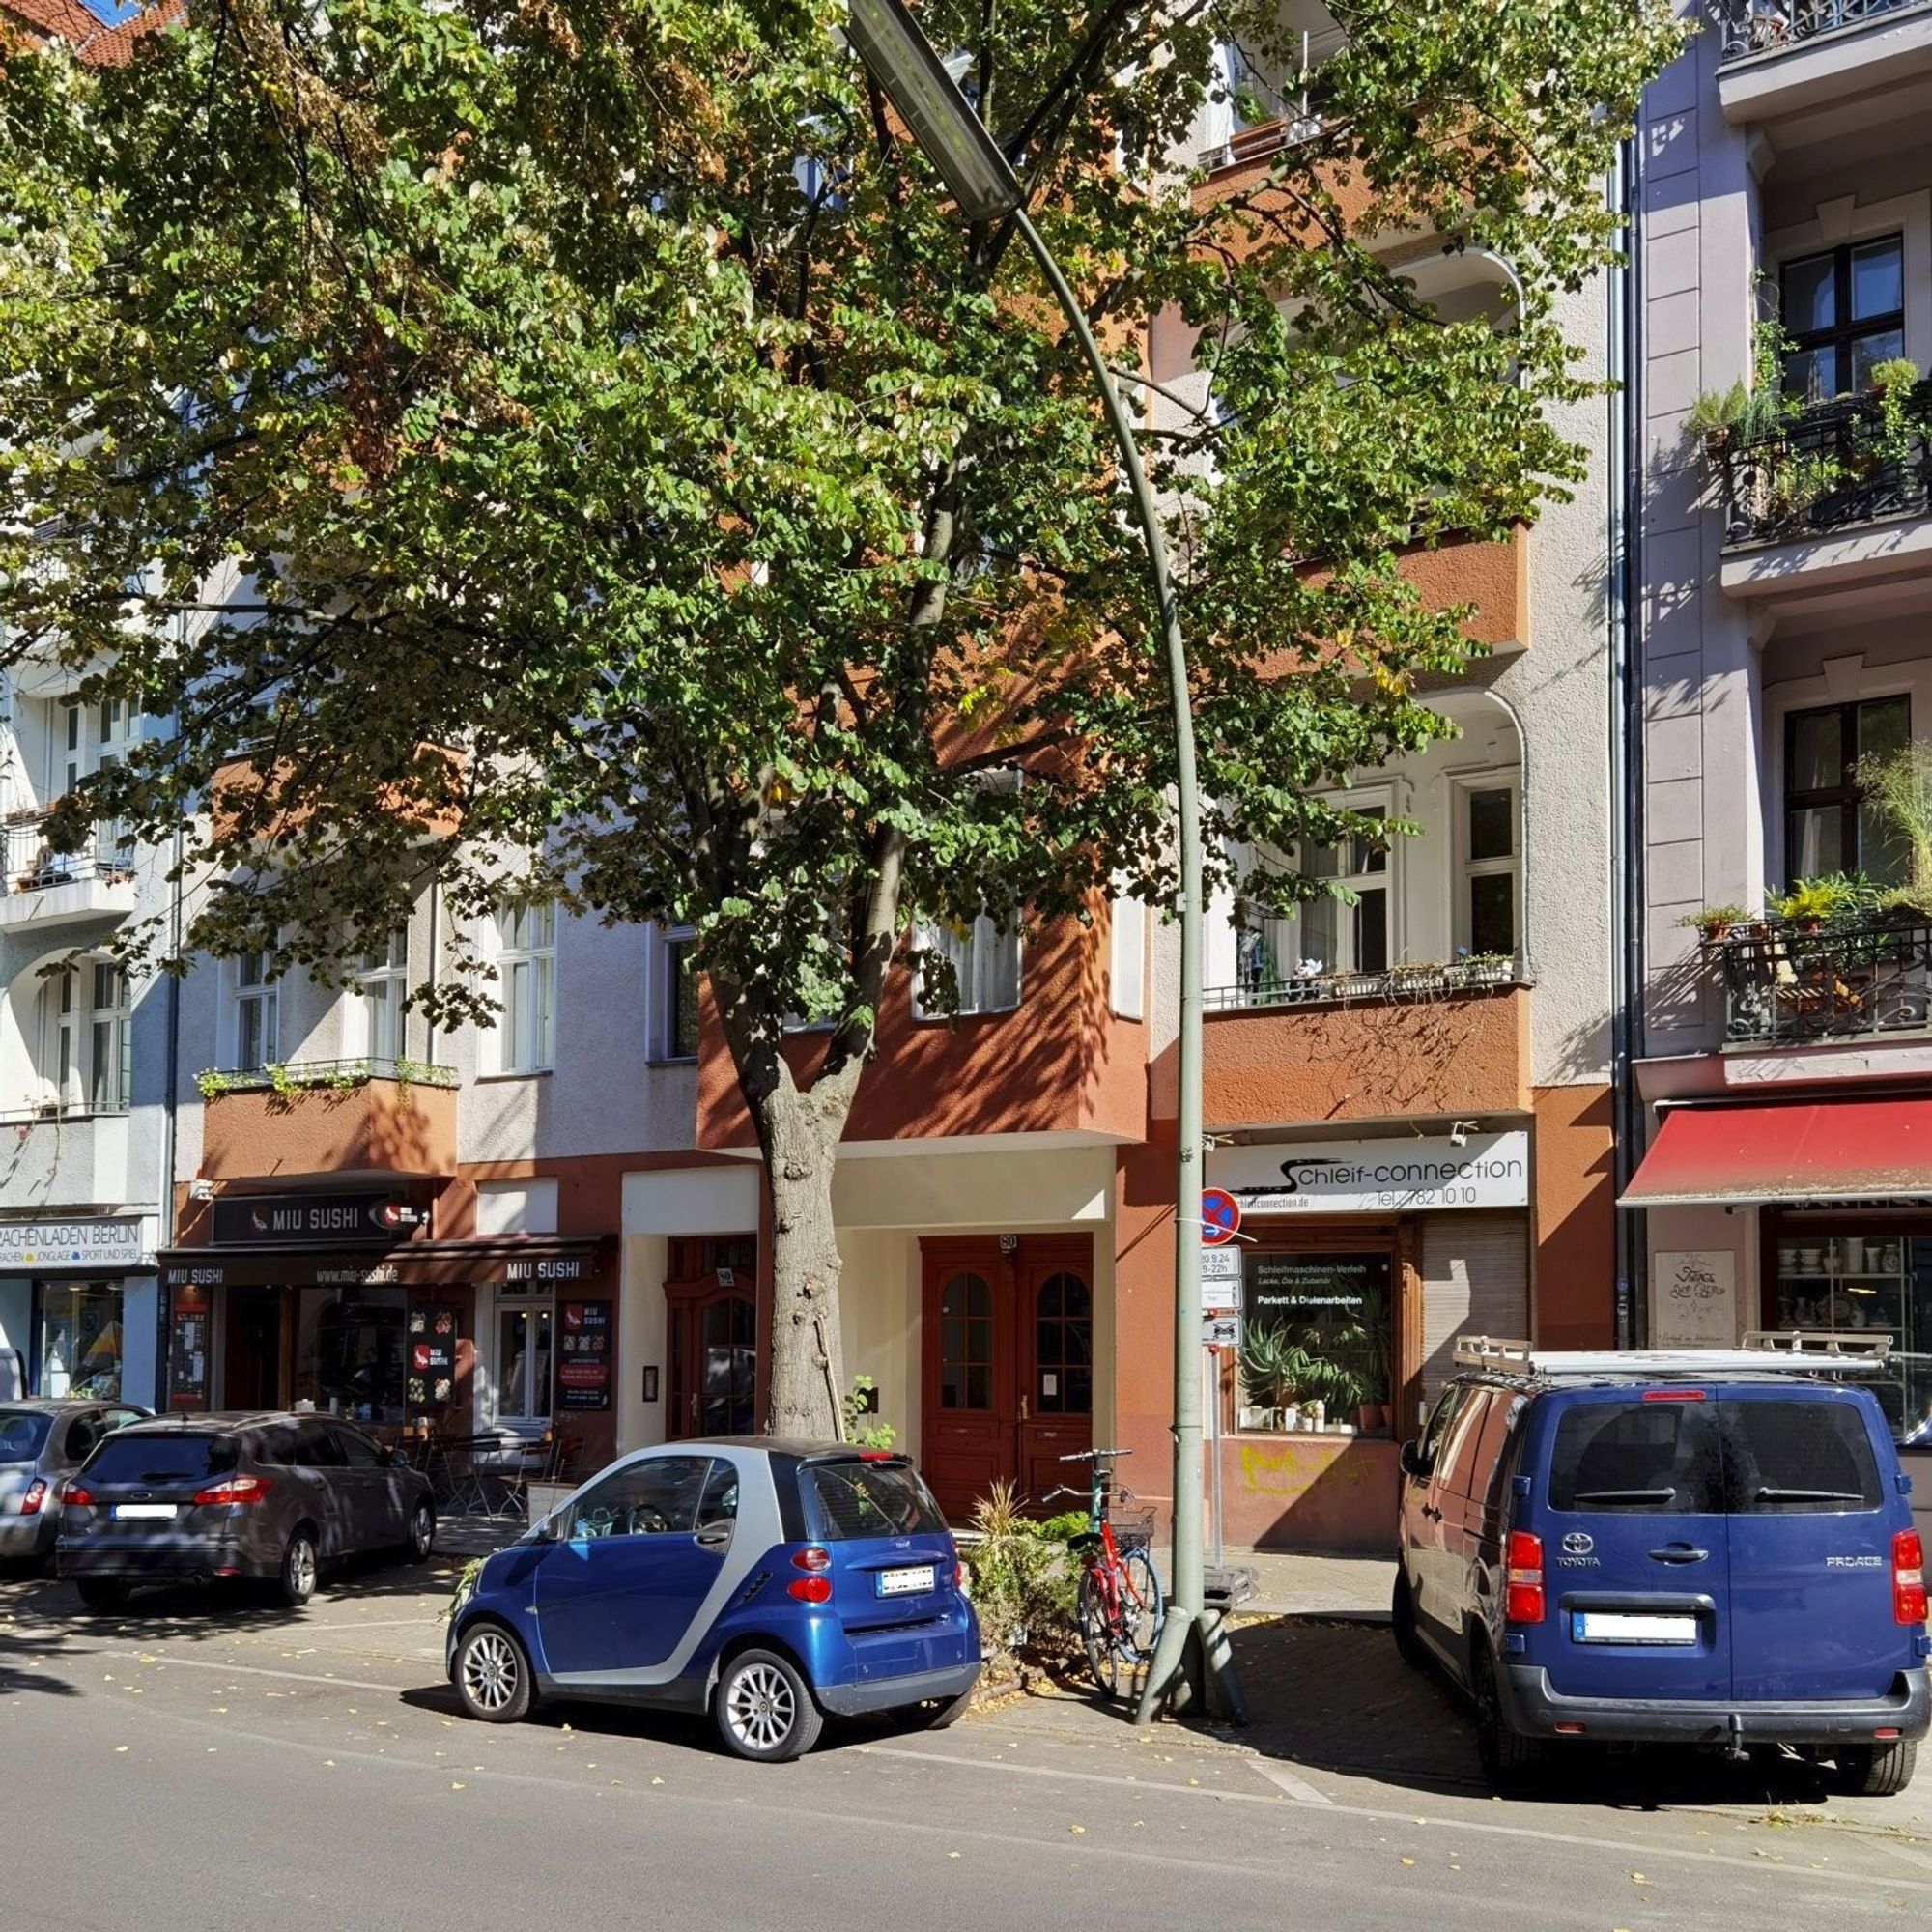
x=249 y=1671
x=1297 y=1788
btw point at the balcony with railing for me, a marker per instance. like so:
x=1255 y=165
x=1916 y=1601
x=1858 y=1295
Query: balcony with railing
x=47 y=888
x=1781 y=58
x=1788 y=984
x=1840 y=491
x=308 y=1119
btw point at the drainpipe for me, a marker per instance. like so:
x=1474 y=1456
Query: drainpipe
x=1626 y=695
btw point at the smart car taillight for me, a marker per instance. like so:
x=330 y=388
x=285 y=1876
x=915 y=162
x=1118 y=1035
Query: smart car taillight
x=1523 y=1591
x=37 y=1495
x=1908 y=1578
x=811 y=1558
x=811 y=1589
x=76 y=1497
x=236 y=1490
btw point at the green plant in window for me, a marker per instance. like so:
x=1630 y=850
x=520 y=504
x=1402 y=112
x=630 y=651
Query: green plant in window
x=1899 y=783
x=1275 y=1368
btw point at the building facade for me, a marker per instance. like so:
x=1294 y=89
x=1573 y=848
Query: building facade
x=1786 y=209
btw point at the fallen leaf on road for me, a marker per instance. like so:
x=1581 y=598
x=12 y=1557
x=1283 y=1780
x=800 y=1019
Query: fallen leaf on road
x=952 y=1855
x=1638 y=1878
x=458 y=1787
x=329 y=1764
x=657 y=1780
x=120 y=1747
x=1409 y=1861
x=1076 y=1828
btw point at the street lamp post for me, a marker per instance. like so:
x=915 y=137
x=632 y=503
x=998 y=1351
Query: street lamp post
x=1192 y=1646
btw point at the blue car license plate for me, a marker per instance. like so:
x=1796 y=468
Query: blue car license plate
x=908 y=1583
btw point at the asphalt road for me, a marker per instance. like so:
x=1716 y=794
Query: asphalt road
x=239 y=1766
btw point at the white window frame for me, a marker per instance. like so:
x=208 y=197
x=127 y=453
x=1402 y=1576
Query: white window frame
x=1387 y=881
x=1126 y=964
x=82 y=1061
x=377 y=1021
x=673 y=943
x=1462 y=788
x=525 y=958
x=503 y=1414
x=251 y=991
x=974 y=963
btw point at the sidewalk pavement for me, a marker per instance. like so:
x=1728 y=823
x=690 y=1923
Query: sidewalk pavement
x=1294 y=1583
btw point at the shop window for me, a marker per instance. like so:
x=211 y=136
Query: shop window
x=351 y=1352
x=1844 y=312
x=1316 y=1342
x=985 y=961
x=378 y=1017
x=1829 y=826
x=523 y=1345
x=256 y=1013
x=526 y=1030
x=85 y=1038
x=1486 y=907
x=79 y=1343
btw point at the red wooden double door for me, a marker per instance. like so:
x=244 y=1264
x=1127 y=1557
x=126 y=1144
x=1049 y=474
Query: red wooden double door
x=1008 y=1348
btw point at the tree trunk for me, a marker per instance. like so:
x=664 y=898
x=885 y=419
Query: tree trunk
x=798 y=1133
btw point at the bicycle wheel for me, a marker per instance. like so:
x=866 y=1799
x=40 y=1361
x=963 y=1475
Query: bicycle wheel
x=1100 y=1632
x=1140 y=1607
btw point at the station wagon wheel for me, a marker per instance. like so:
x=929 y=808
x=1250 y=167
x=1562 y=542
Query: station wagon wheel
x=493 y=1677
x=763 y=1709
x=423 y=1531
x=296 y=1585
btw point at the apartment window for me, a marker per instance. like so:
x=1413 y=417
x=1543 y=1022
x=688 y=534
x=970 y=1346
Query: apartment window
x=1348 y=934
x=985 y=963
x=381 y=985
x=1845 y=311
x=86 y=1038
x=526 y=982
x=92 y=738
x=1486 y=889
x=1127 y=965
x=257 y=1009
x=1829 y=825
x=677 y=1016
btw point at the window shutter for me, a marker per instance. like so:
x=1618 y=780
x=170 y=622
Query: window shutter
x=1475 y=1280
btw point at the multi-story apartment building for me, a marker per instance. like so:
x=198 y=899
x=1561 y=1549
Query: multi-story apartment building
x=1784 y=591
x=559 y=1223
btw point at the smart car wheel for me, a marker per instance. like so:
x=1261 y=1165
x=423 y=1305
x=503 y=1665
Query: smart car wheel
x=493 y=1675
x=296 y=1585
x=764 y=1710
x=423 y=1531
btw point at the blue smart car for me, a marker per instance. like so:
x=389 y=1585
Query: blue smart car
x=765 y=1581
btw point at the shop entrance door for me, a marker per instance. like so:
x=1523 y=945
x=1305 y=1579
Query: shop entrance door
x=252 y=1373
x=1008 y=1348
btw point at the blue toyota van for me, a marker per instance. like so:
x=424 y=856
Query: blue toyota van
x=1715 y=1551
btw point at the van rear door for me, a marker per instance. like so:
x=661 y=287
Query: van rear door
x=1813 y=1514
x=1636 y=1550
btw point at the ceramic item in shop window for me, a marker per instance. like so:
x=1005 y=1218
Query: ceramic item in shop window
x=1809 y=1259
x=1891 y=1255
x=1833 y=1262
x=1855 y=1256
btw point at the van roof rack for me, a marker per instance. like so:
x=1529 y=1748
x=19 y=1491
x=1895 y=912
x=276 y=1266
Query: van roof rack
x=1765 y=1351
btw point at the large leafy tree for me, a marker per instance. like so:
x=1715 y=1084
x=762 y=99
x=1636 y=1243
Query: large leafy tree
x=576 y=451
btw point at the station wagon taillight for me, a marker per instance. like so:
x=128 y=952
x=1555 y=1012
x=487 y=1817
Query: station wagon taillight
x=1908 y=1578
x=1522 y=1584
x=76 y=1497
x=37 y=1495
x=235 y=1490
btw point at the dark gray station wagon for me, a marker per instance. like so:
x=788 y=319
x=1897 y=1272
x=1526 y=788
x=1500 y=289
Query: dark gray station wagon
x=272 y=1498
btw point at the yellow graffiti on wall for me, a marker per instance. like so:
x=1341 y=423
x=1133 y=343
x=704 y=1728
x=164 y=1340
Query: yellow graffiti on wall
x=1295 y=1468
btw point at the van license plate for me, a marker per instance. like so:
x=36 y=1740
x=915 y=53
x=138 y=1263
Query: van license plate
x=1621 y=1627
x=144 y=1512
x=905 y=1582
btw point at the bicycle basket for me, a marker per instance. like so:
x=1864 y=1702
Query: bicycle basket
x=1133 y=1527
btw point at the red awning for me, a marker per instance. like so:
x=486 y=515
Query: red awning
x=1788 y=1150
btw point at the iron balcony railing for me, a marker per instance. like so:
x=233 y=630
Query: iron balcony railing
x=1785 y=984
x=32 y=865
x=1835 y=465
x=1261 y=985
x=324 y=1075
x=1765 y=26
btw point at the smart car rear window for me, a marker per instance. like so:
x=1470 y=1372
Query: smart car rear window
x=22 y=1434
x=845 y=1502
x=1662 y=1458
x=161 y=1458
x=1799 y=1457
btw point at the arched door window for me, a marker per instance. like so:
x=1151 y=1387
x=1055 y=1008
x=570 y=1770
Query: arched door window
x=1064 y=1344
x=966 y=1342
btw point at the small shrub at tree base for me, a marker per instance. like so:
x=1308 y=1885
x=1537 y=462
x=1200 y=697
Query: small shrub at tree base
x=1023 y=1581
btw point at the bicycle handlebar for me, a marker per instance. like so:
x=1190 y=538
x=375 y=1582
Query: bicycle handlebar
x=1093 y=1455
x=1065 y=1489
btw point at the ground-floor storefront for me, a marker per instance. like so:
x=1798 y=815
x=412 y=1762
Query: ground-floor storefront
x=79 y=1311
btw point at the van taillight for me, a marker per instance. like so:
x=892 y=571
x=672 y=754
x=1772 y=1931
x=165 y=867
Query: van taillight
x=1522 y=1587
x=1673 y=1395
x=1908 y=1578
x=37 y=1495
x=236 y=1490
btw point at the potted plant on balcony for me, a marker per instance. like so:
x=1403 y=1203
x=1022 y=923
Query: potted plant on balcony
x=1810 y=902
x=1713 y=923
x=1893 y=383
x=1714 y=415
x=1899 y=783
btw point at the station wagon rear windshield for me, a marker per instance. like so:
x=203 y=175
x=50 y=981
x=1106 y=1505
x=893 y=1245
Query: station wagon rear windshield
x=845 y=1502
x=1703 y=1457
x=22 y=1432
x=152 y=1460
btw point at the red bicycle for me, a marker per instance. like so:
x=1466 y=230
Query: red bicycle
x=1120 y=1608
